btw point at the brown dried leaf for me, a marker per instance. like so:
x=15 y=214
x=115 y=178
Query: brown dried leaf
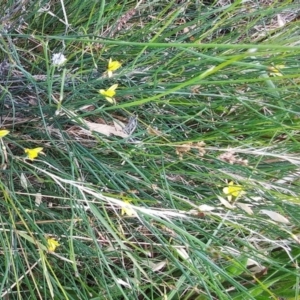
x=275 y=216
x=245 y=207
x=24 y=181
x=158 y=266
x=106 y=129
x=206 y=208
x=119 y=125
x=88 y=107
x=225 y=203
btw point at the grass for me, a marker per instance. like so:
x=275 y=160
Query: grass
x=144 y=213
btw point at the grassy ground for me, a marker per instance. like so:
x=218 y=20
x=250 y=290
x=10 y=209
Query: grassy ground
x=184 y=184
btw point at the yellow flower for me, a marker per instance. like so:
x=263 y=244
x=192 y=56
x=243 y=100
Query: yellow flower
x=3 y=133
x=109 y=93
x=127 y=210
x=113 y=65
x=275 y=71
x=233 y=191
x=33 y=153
x=52 y=244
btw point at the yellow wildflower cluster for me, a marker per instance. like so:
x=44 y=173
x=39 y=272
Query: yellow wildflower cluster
x=31 y=153
x=233 y=191
x=113 y=65
x=3 y=133
x=109 y=93
x=127 y=210
x=52 y=244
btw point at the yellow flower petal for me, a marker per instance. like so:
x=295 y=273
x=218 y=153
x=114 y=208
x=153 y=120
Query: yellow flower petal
x=52 y=244
x=109 y=93
x=109 y=73
x=113 y=65
x=33 y=153
x=226 y=190
x=127 y=210
x=111 y=100
x=3 y=133
x=233 y=190
x=113 y=87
